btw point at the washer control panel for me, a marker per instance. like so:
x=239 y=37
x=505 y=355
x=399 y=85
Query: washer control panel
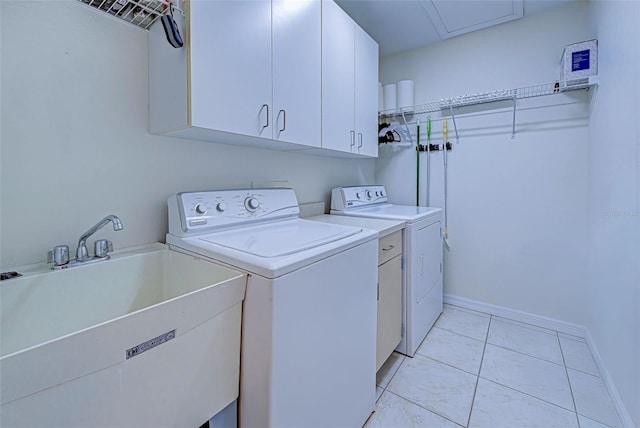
x=191 y=212
x=345 y=198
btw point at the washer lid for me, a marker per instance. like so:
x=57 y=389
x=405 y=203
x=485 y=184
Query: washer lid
x=280 y=238
x=408 y=213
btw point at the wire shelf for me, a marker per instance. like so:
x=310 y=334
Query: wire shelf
x=142 y=13
x=493 y=96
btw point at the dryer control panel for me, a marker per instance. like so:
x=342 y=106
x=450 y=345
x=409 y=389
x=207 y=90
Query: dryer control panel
x=200 y=212
x=346 y=198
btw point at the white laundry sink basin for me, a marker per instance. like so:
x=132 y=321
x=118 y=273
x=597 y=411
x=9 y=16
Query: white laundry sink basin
x=148 y=338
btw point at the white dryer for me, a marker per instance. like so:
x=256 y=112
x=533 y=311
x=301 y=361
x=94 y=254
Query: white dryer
x=422 y=254
x=309 y=317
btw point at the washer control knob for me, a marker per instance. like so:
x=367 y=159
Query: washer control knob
x=251 y=204
x=201 y=209
x=221 y=206
x=368 y=193
x=358 y=195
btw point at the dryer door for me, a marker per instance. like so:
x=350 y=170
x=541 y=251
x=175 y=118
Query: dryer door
x=428 y=258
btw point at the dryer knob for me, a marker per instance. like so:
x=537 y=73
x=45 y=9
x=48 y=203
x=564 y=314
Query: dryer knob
x=368 y=193
x=221 y=206
x=251 y=204
x=201 y=209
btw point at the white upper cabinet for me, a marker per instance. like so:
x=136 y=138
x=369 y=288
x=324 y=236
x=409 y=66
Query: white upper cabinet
x=249 y=74
x=278 y=74
x=349 y=84
x=366 y=93
x=338 y=68
x=297 y=71
x=230 y=67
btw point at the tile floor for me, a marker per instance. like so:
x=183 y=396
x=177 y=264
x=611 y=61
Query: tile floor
x=481 y=371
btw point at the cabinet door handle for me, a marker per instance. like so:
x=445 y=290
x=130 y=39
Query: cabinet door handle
x=391 y=247
x=267 y=107
x=421 y=264
x=360 y=139
x=353 y=138
x=284 y=120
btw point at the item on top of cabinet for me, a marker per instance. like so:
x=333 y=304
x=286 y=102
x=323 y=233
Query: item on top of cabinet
x=404 y=94
x=390 y=92
x=141 y=17
x=119 y=5
x=579 y=62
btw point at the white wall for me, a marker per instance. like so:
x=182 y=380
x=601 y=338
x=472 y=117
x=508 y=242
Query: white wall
x=75 y=144
x=517 y=208
x=614 y=199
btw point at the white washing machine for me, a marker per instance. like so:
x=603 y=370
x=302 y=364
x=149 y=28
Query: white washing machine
x=422 y=255
x=309 y=316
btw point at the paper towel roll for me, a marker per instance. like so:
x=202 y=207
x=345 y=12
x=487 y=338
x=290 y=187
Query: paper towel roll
x=380 y=97
x=390 y=96
x=405 y=97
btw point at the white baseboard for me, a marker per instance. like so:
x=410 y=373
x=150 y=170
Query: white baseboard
x=623 y=414
x=516 y=315
x=559 y=326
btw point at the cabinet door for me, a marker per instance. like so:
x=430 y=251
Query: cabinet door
x=230 y=66
x=297 y=71
x=366 y=93
x=338 y=32
x=389 y=309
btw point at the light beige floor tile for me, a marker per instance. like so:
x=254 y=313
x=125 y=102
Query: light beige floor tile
x=464 y=322
x=590 y=423
x=379 y=392
x=437 y=387
x=537 y=342
x=539 y=378
x=592 y=399
x=454 y=349
x=393 y=411
x=496 y=406
x=577 y=355
x=388 y=369
x=471 y=311
x=572 y=337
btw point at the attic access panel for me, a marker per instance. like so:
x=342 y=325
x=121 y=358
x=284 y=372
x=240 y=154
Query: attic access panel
x=452 y=18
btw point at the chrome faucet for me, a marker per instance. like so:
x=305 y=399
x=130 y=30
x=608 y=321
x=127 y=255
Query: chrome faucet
x=59 y=255
x=82 y=254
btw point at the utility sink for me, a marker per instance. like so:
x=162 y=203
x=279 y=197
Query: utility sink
x=150 y=337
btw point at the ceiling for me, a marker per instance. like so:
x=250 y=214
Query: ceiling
x=399 y=25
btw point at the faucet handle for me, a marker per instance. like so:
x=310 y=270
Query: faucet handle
x=58 y=255
x=102 y=247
